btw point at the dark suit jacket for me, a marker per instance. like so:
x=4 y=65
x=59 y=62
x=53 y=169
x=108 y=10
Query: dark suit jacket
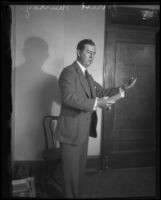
x=73 y=125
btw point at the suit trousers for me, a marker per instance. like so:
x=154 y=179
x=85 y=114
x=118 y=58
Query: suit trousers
x=74 y=159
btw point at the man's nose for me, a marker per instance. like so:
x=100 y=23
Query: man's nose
x=91 y=56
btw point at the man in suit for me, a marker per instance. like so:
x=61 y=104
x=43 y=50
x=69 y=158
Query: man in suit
x=80 y=96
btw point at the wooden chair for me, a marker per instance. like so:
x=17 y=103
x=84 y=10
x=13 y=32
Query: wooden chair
x=52 y=154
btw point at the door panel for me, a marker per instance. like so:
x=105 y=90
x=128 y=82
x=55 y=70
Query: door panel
x=128 y=130
x=137 y=110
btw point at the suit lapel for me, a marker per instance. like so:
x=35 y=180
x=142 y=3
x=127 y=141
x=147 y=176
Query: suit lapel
x=82 y=80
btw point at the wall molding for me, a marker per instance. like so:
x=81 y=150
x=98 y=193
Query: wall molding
x=22 y=169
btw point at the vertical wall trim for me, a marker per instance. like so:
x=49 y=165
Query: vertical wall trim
x=104 y=76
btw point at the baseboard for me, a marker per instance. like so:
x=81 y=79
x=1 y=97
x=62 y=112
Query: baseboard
x=23 y=169
x=93 y=164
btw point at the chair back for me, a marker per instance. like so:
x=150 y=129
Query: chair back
x=52 y=152
x=49 y=124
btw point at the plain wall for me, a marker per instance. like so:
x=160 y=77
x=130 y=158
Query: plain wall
x=43 y=42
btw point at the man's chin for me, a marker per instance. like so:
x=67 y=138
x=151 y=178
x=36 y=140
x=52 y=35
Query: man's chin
x=88 y=64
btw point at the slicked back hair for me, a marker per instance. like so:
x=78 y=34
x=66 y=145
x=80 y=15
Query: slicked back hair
x=82 y=43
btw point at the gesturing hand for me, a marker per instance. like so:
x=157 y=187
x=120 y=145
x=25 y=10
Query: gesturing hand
x=129 y=84
x=104 y=103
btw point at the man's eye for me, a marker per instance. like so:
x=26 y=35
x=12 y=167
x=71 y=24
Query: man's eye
x=93 y=53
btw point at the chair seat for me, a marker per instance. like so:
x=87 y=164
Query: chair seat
x=51 y=154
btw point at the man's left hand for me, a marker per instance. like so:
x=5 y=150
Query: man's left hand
x=129 y=84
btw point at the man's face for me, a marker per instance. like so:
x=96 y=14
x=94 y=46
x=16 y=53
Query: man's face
x=86 y=56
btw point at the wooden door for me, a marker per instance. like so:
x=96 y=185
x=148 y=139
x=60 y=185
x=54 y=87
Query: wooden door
x=128 y=130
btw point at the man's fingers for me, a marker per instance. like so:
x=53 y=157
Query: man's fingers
x=110 y=102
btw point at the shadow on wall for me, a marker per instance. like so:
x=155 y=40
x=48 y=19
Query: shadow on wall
x=35 y=91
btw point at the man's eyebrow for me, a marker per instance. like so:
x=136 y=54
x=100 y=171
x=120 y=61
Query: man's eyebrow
x=91 y=51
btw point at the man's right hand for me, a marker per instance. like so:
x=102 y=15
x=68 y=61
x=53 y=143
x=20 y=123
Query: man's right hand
x=104 y=103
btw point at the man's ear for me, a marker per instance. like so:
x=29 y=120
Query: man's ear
x=78 y=52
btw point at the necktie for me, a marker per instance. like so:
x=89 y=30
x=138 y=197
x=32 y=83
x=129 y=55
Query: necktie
x=87 y=78
x=93 y=131
x=86 y=74
x=93 y=125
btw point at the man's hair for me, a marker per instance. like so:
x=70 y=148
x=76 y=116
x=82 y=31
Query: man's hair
x=81 y=44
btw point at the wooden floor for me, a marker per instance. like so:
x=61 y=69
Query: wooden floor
x=131 y=182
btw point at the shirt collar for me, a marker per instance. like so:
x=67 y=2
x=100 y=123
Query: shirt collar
x=81 y=66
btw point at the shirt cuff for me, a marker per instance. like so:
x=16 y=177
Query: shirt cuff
x=122 y=92
x=95 y=105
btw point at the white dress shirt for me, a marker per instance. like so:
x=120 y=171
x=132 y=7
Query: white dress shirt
x=81 y=66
